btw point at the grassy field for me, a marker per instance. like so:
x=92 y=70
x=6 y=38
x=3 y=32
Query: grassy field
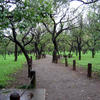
x=8 y=67
x=86 y=58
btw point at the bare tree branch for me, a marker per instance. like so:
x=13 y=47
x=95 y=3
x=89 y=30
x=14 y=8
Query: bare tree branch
x=9 y=37
x=47 y=27
x=28 y=42
x=87 y=2
x=26 y=34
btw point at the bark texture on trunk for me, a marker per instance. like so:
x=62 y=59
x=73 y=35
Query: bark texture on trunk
x=79 y=54
x=93 y=53
x=55 y=58
x=22 y=49
x=16 y=52
x=38 y=51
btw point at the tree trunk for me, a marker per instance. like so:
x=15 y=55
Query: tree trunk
x=79 y=51
x=4 y=54
x=79 y=46
x=64 y=51
x=16 y=49
x=79 y=54
x=26 y=56
x=93 y=53
x=70 y=51
x=76 y=51
x=22 y=48
x=38 y=56
x=40 y=52
x=55 y=59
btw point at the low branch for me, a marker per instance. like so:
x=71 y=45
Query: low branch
x=26 y=34
x=52 y=18
x=47 y=27
x=88 y=2
x=9 y=37
x=28 y=42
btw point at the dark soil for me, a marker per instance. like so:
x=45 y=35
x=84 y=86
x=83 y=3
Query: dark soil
x=20 y=79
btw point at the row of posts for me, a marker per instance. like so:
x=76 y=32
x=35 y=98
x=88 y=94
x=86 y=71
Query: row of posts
x=89 y=69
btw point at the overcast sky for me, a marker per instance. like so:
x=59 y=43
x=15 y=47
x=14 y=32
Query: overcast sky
x=73 y=4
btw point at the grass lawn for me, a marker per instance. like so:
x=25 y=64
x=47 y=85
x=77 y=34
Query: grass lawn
x=86 y=58
x=8 y=67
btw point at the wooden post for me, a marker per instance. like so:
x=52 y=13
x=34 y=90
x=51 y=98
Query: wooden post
x=56 y=59
x=30 y=66
x=66 y=61
x=45 y=56
x=74 y=64
x=15 y=96
x=31 y=60
x=89 y=72
x=33 y=79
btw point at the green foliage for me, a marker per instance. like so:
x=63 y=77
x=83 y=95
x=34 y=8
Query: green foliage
x=63 y=40
x=48 y=43
x=93 y=27
x=26 y=13
x=3 y=46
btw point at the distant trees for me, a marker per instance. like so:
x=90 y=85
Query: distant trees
x=21 y=20
x=64 y=27
x=87 y=37
x=77 y=40
x=93 y=26
x=39 y=45
x=3 y=47
x=59 y=21
x=62 y=41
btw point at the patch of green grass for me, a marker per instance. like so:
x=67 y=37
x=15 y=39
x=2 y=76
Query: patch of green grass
x=8 y=67
x=86 y=58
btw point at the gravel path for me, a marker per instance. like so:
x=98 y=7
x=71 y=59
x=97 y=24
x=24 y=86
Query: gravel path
x=61 y=83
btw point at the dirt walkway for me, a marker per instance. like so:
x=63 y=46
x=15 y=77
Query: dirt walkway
x=62 y=83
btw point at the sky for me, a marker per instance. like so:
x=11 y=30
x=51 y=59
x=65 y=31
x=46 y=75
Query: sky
x=74 y=4
x=13 y=6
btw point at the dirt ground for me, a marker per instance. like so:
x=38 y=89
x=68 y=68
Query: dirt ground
x=60 y=82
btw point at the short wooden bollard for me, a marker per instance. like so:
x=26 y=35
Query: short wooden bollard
x=45 y=56
x=74 y=64
x=33 y=79
x=30 y=66
x=89 y=72
x=15 y=96
x=66 y=62
x=31 y=59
